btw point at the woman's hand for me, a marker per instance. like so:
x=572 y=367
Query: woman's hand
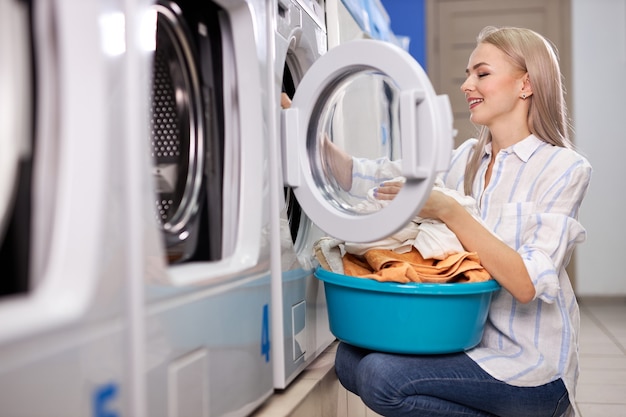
x=339 y=162
x=388 y=190
x=437 y=206
x=285 y=101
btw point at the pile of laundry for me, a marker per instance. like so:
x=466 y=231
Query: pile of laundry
x=423 y=251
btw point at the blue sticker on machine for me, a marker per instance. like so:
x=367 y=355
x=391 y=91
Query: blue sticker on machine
x=103 y=397
x=265 y=333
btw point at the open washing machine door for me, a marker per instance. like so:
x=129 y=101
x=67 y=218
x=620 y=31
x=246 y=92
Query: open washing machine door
x=333 y=99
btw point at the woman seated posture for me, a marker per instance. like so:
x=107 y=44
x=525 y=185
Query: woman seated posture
x=528 y=183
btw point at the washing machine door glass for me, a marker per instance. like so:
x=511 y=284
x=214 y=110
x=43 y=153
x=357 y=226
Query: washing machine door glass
x=364 y=113
x=177 y=129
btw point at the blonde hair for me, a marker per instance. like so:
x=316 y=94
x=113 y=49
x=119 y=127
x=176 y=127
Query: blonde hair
x=547 y=115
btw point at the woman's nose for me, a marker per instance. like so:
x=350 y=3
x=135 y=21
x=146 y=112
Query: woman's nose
x=466 y=87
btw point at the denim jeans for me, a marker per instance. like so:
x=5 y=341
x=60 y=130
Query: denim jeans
x=440 y=385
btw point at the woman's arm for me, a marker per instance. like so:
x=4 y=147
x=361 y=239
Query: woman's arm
x=339 y=162
x=503 y=263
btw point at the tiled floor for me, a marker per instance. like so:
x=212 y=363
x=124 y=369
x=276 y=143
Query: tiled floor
x=601 y=386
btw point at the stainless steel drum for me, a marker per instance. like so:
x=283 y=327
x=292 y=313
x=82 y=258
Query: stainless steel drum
x=184 y=134
x=14 y=100
x=15 y=144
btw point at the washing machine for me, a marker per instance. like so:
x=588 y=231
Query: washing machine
x=359 y=19
x=299 y=317
x=371 y=100
x=205 y=222
x=65 y=333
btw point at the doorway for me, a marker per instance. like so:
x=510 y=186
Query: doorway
x=452 y=27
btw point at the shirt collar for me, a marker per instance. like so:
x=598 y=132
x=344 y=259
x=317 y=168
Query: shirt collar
x=523 y=149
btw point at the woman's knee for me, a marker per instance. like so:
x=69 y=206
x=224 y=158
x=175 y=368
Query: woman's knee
x=375 y=382
x=347 y=360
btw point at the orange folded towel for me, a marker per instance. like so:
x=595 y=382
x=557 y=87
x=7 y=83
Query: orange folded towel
x=387 y=265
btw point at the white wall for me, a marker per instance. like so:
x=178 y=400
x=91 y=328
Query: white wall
x=599 y=115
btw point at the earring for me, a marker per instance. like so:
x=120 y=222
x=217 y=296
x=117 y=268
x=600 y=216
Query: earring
x=523 y=96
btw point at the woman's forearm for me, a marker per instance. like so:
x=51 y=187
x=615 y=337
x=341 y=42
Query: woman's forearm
x=340 y=164
x=503 y=263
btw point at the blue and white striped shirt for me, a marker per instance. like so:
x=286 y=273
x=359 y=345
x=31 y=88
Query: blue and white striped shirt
x=531 y=203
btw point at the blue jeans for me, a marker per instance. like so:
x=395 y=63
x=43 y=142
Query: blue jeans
x=440 y=385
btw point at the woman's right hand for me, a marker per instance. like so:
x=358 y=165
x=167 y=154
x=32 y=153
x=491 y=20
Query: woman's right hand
x=388 y=190
x=338 y=160
x=285 y=101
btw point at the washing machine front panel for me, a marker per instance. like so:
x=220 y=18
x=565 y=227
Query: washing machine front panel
x=301 y=229
x=207 y=209
x=300 y=41
x=64 y=338
x=415 y=131
x=208 y=297
x=73 y=175
x=299 y=319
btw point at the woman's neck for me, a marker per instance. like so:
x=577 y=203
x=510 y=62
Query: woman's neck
x=504 y=136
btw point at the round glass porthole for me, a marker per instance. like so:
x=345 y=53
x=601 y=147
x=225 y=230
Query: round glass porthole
x=176 y=131
x=359 y=118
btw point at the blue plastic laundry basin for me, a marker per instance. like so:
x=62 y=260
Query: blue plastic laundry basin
x=414 y=318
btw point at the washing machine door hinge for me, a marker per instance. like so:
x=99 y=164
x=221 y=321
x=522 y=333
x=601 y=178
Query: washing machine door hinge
x=290 y=159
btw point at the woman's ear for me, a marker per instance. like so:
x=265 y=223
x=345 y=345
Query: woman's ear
x=527 y=89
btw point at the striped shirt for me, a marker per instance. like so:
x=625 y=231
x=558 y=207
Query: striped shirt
x=531 y=203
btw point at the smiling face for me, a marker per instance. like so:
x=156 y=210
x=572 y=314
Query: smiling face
x=494 y=87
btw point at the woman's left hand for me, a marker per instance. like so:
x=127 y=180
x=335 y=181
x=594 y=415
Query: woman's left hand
x=436 y=205
x=285 y=101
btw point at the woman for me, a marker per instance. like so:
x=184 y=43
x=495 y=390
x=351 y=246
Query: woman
x=528 y=183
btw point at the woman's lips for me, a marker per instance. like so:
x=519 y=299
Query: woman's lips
x=473 y=102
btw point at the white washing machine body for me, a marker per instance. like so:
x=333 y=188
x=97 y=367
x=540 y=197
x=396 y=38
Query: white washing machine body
x=348 y=20
x=299 y=316
x=203 y=220
x=65 y=332
x=373 y=101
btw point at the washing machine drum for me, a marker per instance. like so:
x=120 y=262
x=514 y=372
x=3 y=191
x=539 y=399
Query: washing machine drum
x=16 y=104
x=13 y=105
x=177 y=134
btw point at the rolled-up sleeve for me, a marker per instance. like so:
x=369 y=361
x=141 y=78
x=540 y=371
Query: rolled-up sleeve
x=531 y=203
x=551 y=231
x=552 y=241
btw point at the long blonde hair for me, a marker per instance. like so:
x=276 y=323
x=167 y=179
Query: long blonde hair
x=547 y=115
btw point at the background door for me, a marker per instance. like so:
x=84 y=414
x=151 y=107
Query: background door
x=453 y=25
